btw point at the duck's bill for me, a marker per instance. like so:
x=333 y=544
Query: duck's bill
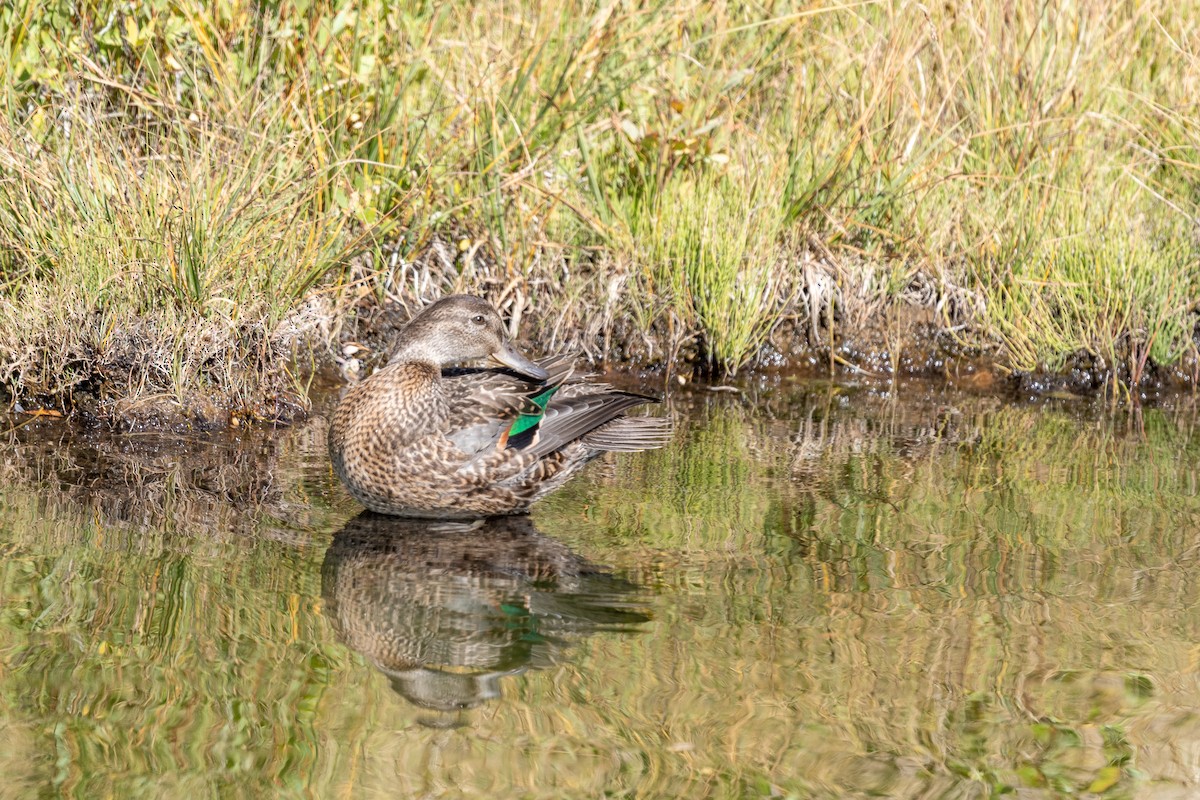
x=509 y=357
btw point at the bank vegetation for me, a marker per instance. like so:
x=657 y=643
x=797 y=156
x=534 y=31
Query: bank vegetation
x=202 y=202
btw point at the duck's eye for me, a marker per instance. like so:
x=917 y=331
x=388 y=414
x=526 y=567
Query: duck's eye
x=477 y=319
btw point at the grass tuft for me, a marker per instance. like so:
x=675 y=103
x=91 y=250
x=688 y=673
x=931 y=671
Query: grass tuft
x=715 y=258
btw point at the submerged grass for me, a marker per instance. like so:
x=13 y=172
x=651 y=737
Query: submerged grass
x=650 y=182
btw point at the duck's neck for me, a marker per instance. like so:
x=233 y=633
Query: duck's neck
x=417 y=351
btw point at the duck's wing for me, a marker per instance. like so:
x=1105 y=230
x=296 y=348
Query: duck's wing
x=485 y=403
x=494 y=410
x=597 y=421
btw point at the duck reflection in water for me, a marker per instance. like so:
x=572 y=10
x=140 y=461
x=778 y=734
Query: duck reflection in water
x=447 y=609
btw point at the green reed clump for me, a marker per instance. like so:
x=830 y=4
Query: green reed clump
x=1129 y=301
x=715 y=256
x=156 y=265
x=206 y=221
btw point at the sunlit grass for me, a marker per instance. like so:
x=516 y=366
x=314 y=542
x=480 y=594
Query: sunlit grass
x=176 y=255
x=714 y=258
x=1127 y=302
x=204 y=220
x=554 y=154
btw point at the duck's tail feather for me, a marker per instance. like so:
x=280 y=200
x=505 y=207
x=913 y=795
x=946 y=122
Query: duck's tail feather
x=631 y=434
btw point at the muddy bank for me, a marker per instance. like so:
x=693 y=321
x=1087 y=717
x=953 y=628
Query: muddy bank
x=905 y=340
x=273 y=374
x=912 y=344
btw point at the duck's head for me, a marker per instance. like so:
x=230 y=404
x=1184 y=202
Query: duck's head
x=461 y=328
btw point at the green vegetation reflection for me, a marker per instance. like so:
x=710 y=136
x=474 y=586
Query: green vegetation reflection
x=818 y=592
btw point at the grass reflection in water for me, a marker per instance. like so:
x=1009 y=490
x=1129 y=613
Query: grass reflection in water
x=816 y=593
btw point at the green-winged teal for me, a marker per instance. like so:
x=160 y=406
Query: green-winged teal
x=416 y=440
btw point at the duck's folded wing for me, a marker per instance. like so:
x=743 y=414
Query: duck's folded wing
x=484 y=403
x=597 y=421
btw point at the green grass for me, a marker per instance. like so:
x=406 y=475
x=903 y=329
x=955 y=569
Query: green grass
x=1122 y=299
x=181 y=265
x=713 y=258
x=672 y=175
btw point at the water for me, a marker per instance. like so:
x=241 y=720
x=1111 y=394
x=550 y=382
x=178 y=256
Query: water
x=819 y=591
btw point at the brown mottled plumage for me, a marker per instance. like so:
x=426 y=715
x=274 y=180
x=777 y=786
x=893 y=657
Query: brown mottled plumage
x=413 y=440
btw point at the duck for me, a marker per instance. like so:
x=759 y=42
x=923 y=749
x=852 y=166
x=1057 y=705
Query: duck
x=425 y=437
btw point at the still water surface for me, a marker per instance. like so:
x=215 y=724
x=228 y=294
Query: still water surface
x=818 y=591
